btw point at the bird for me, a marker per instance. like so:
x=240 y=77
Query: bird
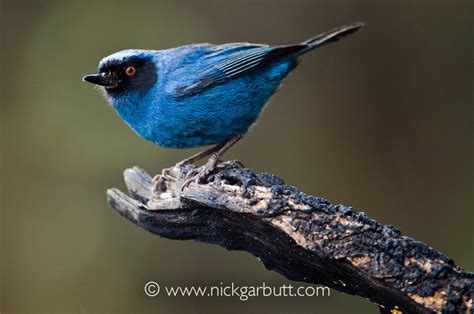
x=200 y=94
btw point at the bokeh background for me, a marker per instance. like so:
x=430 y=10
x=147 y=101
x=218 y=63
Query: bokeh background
x=381 y=121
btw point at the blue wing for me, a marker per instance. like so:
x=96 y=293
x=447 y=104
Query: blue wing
x=250 y=58
x=240 y=58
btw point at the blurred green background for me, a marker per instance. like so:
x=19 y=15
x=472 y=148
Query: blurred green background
x=381 y=121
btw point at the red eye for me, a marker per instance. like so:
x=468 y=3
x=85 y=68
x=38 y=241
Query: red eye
x=130 y=71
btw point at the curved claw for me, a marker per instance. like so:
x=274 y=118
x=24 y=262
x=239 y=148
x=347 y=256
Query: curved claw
x=190 y=177
x=201 y=173
x=159 y=181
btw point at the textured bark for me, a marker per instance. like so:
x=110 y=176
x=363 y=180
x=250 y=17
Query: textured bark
x=302 y=237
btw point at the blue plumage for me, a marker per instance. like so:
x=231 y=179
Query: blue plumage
x=169 y=116
x=199 y=94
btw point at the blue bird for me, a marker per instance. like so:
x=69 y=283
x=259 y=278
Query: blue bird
x=199 y=94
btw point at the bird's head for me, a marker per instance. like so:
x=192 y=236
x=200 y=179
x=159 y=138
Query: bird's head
x=125 y=71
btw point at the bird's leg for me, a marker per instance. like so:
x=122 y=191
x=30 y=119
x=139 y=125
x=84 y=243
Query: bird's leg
x=211 y=163
x=159 y=180
x=200 y=155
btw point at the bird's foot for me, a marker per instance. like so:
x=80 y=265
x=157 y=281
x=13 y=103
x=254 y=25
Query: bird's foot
x=159 y=181
x=198 y=174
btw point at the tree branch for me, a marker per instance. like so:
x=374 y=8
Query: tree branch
x=302 y=237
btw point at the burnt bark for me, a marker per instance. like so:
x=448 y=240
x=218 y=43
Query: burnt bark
x=303 y=237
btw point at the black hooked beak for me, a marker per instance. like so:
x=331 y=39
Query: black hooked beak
x=102 y=79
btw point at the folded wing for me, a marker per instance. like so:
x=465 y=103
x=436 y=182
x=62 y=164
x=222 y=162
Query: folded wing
x=237 y=64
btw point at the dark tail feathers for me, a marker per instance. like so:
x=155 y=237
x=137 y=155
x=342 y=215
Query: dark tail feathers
x=330 y=36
